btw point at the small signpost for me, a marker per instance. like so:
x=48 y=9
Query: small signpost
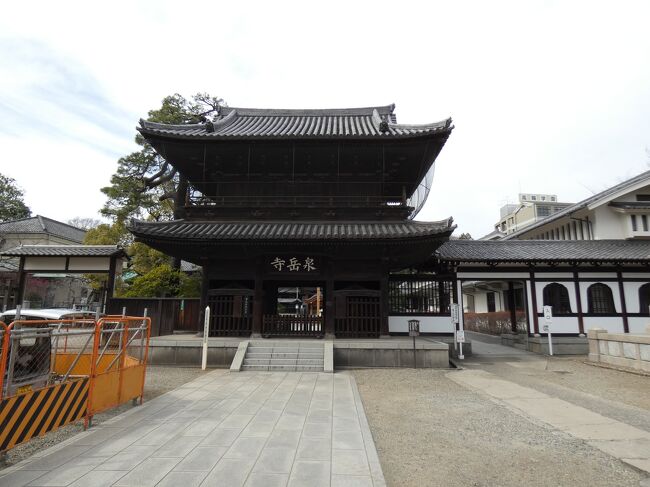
x=548 y=321
x=459 y=334
x=206 y=332
x=414 y=331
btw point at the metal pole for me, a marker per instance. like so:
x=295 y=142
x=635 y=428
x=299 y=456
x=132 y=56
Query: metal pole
x=415 y=362
x=206 y=332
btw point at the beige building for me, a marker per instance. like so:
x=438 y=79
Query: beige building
x=619 y=212
x=532 y=207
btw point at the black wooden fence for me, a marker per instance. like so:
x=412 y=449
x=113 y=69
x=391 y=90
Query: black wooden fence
x=167 y=314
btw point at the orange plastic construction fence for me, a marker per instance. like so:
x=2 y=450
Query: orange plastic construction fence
x=54 y=372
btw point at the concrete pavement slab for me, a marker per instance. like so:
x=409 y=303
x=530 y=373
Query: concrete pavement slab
x=250 y=428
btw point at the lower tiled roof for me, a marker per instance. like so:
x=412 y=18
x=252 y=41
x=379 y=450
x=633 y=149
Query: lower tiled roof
x=41 y=225
x=283 y=230
x=545 y=251
x=65 y=251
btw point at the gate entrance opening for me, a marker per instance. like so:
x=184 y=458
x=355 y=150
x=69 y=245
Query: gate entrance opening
x=293 y=310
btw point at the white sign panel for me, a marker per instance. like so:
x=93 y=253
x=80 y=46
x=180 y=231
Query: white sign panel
x=460 y=336
x=548 y=314
x=548 y=320
x=454 y=313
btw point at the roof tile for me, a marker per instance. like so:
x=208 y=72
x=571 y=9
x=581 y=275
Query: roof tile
x=270 y=230
x=545 y=251
x=347 y=122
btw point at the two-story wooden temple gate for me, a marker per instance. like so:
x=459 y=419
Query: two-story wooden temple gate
x=278 y=199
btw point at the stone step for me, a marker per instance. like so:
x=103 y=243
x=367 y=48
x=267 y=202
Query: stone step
x=285 y=355
x=283 y=361
x=286 y=348
x=283 y=368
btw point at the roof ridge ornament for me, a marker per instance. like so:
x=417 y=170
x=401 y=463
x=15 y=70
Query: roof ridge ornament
x=380 y=122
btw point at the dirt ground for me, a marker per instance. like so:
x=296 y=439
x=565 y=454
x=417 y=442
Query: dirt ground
x=158 y=381
x=430 y=431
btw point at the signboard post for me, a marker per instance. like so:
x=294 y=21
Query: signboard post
x=206 y=332
x=548 y=321
x=414 y=331
x=459 y=334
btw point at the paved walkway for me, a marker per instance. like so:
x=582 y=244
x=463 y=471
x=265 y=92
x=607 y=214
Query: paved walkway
x=623 y=441
x=487 y=347
x=223 y=429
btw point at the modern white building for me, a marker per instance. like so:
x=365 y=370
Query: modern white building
x=619 y=212
x=590 y=262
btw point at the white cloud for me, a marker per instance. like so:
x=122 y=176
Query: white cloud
x=546 y=96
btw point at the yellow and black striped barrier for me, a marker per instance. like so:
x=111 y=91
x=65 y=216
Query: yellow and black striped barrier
x=35 y=413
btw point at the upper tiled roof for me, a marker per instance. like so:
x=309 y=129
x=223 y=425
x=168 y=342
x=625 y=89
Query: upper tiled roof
x=269 y=230
x=633 y=205
x=545 y=251
x=236 y=122
x=65 y=251
x=43 y=225
x=583 y=204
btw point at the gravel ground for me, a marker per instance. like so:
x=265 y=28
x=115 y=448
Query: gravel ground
x=430 y=431
x=158 y=381
x=619 y=395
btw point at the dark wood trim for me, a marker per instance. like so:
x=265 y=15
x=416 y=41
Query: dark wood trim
x=512 y=305
x=533 y=295
x=258 y=300
x=621 y=290
x=330 y=327
x=205 y=287
x=543 y=267
x=581 y=323
x=20 y=292
x=50 y=271
x=384 y=305
x=390 y=313
x=110 y=284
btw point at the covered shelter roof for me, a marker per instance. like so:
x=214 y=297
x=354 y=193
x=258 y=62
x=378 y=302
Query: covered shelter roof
x=288 y=230
x=42 y=225
x=65 y=251
x=356 y=123
x=544 y=251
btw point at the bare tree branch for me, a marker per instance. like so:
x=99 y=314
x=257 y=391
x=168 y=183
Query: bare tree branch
x=162 y=171
x=167 y=177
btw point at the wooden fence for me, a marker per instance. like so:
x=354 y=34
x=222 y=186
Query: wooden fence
x=292 y=326
x=167 y=314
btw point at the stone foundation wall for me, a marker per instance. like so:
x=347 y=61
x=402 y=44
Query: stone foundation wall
x=539 y=344
x=620 y=349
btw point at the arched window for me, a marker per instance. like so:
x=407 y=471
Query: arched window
x=557 y=296
x=600 y=299
x=644 y=299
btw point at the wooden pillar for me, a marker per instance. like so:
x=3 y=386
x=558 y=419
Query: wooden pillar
x=330 y=328
x=110 y=285
x=20 y=292
x=533 y=296
x=384 y=303
x=258 y=301
x=205 y=287
x=581 y=321
x=512 y=304
x=621 y=290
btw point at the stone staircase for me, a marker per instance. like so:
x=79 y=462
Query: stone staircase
x=284 y=356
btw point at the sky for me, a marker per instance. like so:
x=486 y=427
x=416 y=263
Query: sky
x=546 y=97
